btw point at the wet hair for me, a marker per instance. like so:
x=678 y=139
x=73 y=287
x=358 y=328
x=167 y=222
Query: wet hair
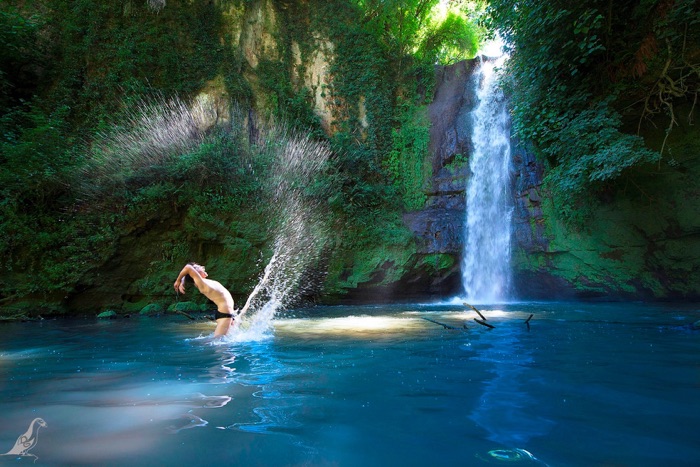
x=188 y=278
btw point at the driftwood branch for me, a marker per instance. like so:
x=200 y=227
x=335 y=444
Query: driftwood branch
x=481 y=321
x=484 y=323
x=474 y=308
x=18 y=317
x=184 y=314
x=447 y=326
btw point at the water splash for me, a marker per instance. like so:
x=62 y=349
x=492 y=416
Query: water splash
x=486 y=264
x=152 y=138
x=156 y=5
x=150 y=133
x=302 y=232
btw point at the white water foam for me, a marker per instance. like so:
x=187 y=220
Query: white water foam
x=486 y=264
x=300 y=237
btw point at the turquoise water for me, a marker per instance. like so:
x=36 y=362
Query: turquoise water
x=603 y=384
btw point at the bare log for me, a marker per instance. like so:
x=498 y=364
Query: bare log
x=483 y=323
x=477 y=311
x=16 y=317
x=184 y=314
x=447 y=326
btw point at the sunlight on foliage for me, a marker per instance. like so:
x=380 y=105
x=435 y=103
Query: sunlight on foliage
x=449 y=38
x=438 y=31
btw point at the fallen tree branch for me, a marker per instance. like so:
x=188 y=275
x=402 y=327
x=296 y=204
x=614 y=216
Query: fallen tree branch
x=447 y=326
x=18 y=317
x=184 y=314
x=483 y=323
x=477 y=311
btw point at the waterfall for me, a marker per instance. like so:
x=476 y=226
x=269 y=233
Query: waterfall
x=486 y=263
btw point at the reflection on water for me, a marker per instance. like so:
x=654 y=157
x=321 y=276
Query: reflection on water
x=585 y=385
x=505 y=409
x=350 y=327
x=186 y=422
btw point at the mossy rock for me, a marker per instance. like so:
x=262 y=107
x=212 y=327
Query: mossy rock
x=152 y=309
x=186 y=307
x=133 y=308
x=109 y=314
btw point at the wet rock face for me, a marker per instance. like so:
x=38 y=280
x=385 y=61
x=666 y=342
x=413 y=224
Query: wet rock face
x=438 y=230
x=643 y=244
x=449 y=114
x=439 y=227
x=528 y=218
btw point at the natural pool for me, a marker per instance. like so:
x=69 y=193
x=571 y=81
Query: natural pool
x=585 y=384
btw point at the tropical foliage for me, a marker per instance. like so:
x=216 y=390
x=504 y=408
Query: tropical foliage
x=584 y=77
x=86 y=89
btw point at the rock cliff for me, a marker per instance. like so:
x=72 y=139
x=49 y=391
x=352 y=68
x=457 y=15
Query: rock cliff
x=641 y=243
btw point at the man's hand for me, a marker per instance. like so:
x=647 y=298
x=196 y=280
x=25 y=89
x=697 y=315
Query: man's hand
x=180 y=286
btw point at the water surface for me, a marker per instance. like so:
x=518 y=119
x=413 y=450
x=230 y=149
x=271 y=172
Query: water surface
x=604 y=384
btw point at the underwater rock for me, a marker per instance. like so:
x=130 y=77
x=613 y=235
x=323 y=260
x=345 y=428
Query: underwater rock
x=109 y=314
x=151 y=309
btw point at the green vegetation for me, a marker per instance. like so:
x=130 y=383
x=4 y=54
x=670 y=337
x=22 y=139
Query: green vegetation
x=394 y=82
x=138 y=135
x=585 y=78
x=86 y=172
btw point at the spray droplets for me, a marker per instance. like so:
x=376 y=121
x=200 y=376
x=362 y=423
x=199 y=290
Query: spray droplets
x=302 y=232
x=150 y=134
x=162 y=139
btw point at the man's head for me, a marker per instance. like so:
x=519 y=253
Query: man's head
x=199 y=268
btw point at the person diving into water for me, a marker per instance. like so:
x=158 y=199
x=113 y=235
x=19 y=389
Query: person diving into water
x=215 y=292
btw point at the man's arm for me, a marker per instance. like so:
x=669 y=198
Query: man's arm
x=188 y=270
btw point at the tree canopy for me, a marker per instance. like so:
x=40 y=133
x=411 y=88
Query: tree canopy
x=584 y=76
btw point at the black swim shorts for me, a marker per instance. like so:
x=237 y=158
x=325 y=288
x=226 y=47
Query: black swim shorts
x=219 y=315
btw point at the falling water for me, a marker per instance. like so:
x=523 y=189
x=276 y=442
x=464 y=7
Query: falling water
x=301 y=231
x=486 y=268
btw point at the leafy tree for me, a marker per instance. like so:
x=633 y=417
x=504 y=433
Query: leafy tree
x=449 y=39
x=419 y=28
x=397 y=23
x=401 y=42
x=573 y=67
